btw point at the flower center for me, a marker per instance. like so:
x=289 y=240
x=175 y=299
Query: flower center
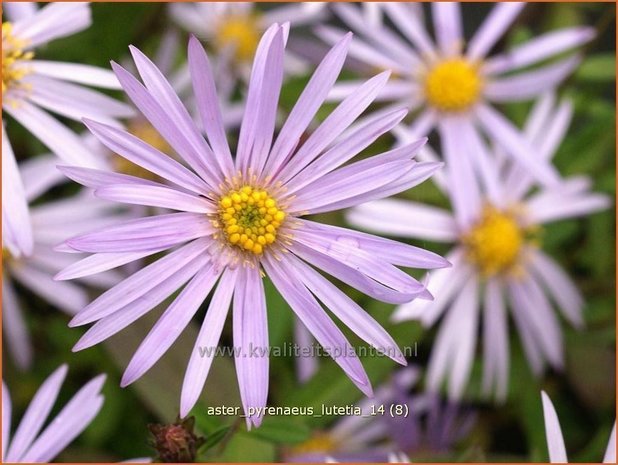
x=241 y=32
x=249 y=218
x=453 y=85
x=144 y=131
x=494 y=243
x=318 y=443
x=6 y=255
x=13 y=56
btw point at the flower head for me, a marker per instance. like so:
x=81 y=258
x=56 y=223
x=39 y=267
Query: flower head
x=241 y=217
x=497 y=260
x=452 y=83
x=30 y=86
x=29 y=443
x=425 y=424
x=234 y=29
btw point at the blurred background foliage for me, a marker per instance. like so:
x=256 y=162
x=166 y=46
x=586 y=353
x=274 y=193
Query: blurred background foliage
x=584 y=395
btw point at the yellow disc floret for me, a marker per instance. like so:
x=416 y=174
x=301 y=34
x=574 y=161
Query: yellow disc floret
x=241 y=32
x=249 y=218
x=494 y=243
x=13 y=56
x=453 y=85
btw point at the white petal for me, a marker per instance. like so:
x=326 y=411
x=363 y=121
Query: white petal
x=553 y=432
x=610 y=453
x=78 y=73
x=15 y=215
x=404 y=218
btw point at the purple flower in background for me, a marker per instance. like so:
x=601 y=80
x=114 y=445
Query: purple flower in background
x=497 y=259
x=428 y=426
x=31 y=86
x=451 y=86
x=240 y=217
x=233 y=31
x=555 y=441
x=42 y=228
x=28 y=443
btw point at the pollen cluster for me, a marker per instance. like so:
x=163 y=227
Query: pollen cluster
x=241 y=32
x=453 y=85
x=494 y=242
x=12 y=54
x=249 y=218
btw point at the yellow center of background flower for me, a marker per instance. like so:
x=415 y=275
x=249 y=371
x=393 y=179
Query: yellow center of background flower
x=6 y=255
x=453 y=85
x=12 y=54
x=250 y=218
x=494 y=242
x=144 y=131
x=318 y=443
x=241 y=32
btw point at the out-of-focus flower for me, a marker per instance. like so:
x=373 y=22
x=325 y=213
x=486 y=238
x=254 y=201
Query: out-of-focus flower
x=31 y=86
x=28 y=443
x=47 y=224
x=239 y=217
x=235 y=28
x=453 y=88
x=495 y=223
x=555 y=441
x=428 y=425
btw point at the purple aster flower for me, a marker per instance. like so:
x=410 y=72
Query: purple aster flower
x=555 y=441
x=453 y=86
x=31 y=86
x=28 y=443
x=497 y=258
x=233 y=30
x=430 y=426
x=240 y=217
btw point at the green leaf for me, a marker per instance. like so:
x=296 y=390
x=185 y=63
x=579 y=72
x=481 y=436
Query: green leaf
x=246 y=447
x=282 y=430
x=214 y=438
x=598 y=68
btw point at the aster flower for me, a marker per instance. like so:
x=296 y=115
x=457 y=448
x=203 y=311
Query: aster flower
x=364 y=437
x=31 y=86
x=430 y=425
x=234 y=30
x=555 y=441
x=239 y=217
x=453 y=86
x=46 y=225
x=29 y=443
x=497 y=260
